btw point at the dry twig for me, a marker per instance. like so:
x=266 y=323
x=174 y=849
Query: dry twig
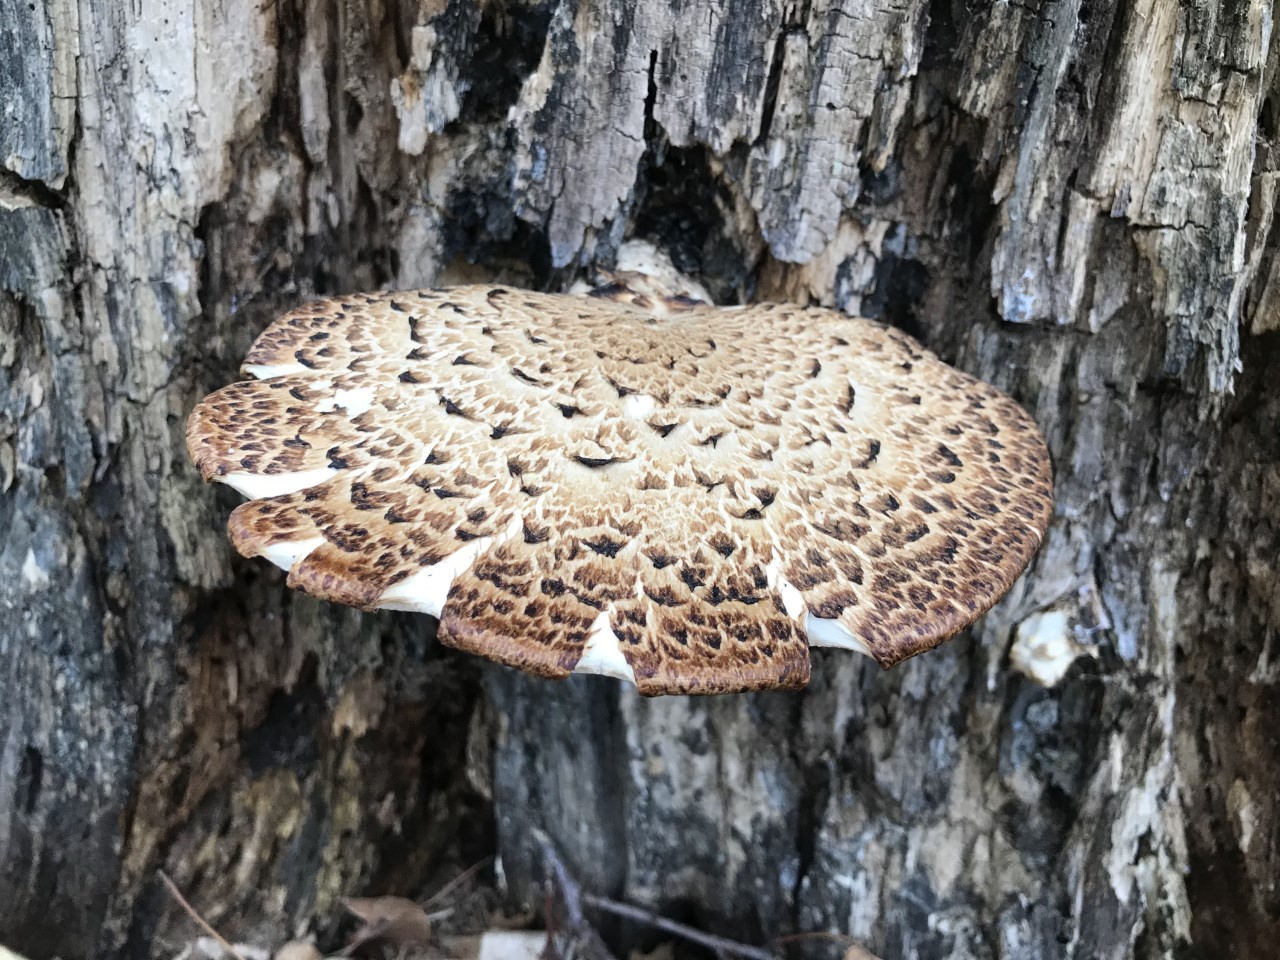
x=457 y=881
x=572 y=898
x=575 y=938
x=721 y=945
x=191 y=912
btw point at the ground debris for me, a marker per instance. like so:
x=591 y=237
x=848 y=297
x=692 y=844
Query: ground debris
x=214 y=948
x=397 y=920
x=298 y=950
x=504 y=945
x=404 y=929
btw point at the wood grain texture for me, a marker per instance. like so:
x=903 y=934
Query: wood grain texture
x=1073 y=200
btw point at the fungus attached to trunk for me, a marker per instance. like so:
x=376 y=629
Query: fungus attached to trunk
x=680 y=495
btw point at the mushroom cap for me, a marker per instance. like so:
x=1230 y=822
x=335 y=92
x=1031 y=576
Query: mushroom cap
x=681 y=495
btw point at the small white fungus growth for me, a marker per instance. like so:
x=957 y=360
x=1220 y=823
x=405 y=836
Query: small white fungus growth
x=35 y=576
x=1045 y=649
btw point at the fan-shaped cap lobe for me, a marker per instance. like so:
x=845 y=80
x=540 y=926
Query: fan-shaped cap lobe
x=681 y=494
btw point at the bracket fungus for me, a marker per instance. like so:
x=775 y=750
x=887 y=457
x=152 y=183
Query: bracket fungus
x=652 y=488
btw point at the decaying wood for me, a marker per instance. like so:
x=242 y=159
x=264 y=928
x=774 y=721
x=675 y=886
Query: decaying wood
x=1072 y=199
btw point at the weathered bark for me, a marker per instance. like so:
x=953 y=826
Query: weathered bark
x=1074 y=199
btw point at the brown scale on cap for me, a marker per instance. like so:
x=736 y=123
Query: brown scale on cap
x=626 y=483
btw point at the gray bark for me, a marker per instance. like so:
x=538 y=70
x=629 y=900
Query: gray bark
x=1074 y=199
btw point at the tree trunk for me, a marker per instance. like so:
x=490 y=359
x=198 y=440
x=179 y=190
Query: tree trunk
x=1073 y=199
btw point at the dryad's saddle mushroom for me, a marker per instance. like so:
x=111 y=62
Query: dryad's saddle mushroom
x=657 y=489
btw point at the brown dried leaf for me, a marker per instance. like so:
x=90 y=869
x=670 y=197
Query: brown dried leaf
x=397 y=920
x=462 y=947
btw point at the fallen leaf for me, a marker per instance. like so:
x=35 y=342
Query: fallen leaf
x=461 y=947
x=210 y=948
x=397 y=920
x=298 y=950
